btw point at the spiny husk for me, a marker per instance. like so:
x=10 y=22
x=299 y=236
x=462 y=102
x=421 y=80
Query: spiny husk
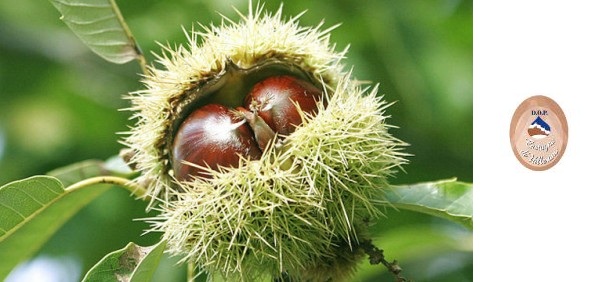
x=306 y=199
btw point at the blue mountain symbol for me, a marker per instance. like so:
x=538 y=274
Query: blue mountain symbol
x=539 y=121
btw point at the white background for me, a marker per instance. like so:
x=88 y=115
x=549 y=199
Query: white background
x=536 y=226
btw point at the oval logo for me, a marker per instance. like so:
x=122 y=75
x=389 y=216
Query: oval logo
x=539 y=133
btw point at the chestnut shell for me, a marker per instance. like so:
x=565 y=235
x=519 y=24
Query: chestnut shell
x=211 y=136
x=275 y=98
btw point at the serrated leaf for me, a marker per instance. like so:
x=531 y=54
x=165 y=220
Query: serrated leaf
x=412 y=242
x=76 y=172
x=99 y=24
x=31 y=210
x=132 y=263
x=448 y=199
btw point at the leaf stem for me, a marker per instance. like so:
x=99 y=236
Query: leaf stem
x=191 y=275
x=140 y=55
x=129 y=185
x=142 y=61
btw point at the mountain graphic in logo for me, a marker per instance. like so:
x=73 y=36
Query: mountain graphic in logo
x=539 y=129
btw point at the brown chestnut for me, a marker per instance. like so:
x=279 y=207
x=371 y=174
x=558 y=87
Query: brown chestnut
x=211 y=136
x=274 y=98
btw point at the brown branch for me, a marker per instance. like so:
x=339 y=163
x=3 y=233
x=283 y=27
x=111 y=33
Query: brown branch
x=376 y=257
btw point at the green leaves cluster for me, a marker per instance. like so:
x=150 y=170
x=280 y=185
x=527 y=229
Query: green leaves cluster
x=33 y=209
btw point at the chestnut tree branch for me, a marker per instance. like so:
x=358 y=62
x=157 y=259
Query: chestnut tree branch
x=376 y=257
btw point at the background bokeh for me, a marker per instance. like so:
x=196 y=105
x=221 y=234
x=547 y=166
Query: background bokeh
x=60 y=103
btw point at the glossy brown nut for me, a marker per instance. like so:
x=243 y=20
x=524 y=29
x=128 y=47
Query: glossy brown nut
x=273 y=99
x=211 y=136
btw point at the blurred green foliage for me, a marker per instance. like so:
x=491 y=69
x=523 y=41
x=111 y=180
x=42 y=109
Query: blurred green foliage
x=59 y=104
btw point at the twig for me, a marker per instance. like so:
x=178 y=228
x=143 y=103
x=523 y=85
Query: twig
x=376 y=257
x=191 y=272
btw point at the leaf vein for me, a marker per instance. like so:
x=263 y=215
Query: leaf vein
x=34 y=198
x=109 y=44
x=92 y=21
x=13 y=209
x=81 y=4
x=101 y=31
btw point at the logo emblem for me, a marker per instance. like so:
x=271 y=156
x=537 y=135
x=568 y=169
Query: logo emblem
x=539 y=133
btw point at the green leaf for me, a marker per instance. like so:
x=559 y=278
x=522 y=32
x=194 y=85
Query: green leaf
x=448 y=199
x=99 y=24
x=76 y=172
x=417 y=242
x=31 y=210
x=132 y=263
